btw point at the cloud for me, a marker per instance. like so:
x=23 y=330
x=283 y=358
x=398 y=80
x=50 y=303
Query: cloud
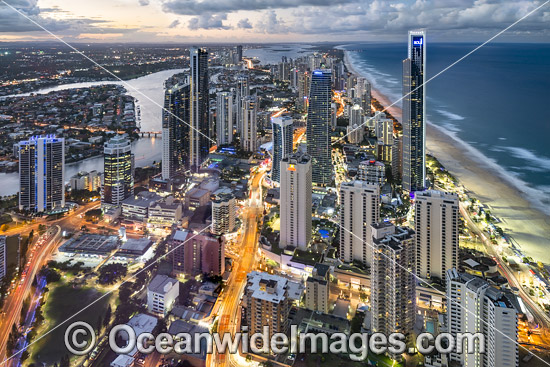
x=208 y=21
x=174 y=24
x=244 y=24
x=193 y=7
x=271 y=24
x=144 y=2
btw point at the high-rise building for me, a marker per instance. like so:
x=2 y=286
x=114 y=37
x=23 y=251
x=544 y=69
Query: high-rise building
x=384 y=133
x=195 y=254
x=267 y=302
x=162 y=294
x=3 y=257
x=239 y=53
x=224 y=118
x=249 y=135
x=414 y=105
x=474 y=306
x=355 y=129
x=199 y=105
x=359 y=208
x=42 y=174
x=393 y=285
x=317 y=289
x=304 y=81
x=242 y=91
x=175 y=131
x=318 y=126
x=118 y=163
x=283 y=134
x=296 y=191
x=372 y=171
x=436 y=224
x=223 y=214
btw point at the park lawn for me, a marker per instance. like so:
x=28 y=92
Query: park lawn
x=63 y=301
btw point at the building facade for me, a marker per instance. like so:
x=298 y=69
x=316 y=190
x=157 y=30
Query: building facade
x=42 y=174
x=317 y=289
x=118 y=167
x=296 y=199
x=372 y=171
x=249 y=136
x=318 y=126
x=283 y=134
x=436 y=221
x=195 y=254
x=223 y=214
x=414 y=105
x=199 y=105
x=360 y=208
x=162 y=293
x=175 y=130
x=224 y=118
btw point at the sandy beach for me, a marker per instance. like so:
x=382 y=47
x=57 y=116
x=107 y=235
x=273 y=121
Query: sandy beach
x=526 y=224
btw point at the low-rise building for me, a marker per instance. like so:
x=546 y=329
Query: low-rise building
x=162 y=293
x=165 y=213
x=317 y=289
x=195 y=254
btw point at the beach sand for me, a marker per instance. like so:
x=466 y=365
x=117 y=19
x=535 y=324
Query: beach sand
x=527 y=225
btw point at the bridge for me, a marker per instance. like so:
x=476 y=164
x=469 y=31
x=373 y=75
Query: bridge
x=150 y=133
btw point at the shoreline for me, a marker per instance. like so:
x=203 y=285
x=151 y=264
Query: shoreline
x=527 y=225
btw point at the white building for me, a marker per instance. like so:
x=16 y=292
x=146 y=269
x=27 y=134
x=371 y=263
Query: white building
x=355 y=130
x=317 y=289
x=296 y=193
x=223 y=214
x=392 y=281
x=42 y=174
x=224 y=118
x=162 y=293
x=165 y=213
x=118 y=183
x=473 y=306
x=3 y=257
x=90 y=181
x=249 y=135
x=359 y=208
x=372 y=171
x=436 y=223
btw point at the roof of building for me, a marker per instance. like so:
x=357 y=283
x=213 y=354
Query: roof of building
x=136 y=244
x=267 y=287
x=161 y=284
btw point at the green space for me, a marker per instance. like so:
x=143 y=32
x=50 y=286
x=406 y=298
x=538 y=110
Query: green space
x=62 y=302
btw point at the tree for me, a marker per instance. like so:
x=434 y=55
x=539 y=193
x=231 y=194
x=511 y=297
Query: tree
x=107 y=318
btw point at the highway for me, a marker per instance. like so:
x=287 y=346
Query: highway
x=38 y=255
x=228 y=305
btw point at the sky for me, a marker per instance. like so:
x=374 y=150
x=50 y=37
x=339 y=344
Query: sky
x=241 y=21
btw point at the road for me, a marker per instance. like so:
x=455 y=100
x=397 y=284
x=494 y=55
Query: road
x=38 y=255
x=228 y=306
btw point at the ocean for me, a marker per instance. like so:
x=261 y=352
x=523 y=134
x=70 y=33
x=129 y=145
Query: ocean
x=496 y=100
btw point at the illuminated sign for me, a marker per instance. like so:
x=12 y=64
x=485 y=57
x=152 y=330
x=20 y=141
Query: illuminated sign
x=418 y=41
x=291 y=167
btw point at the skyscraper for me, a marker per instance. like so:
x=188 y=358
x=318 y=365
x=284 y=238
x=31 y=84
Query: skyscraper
x=436 y=225
x=393 y=286
x=175 y=131
x=249 y=135
x=223 y=214
x=224 y=118
x=283 y=133
x=42 y=174
x=318 y=126
x=195 y=254
x=242 y=91
x=239 y=53
x=414 y=105
x=360 y=207
x=474 y=306
x=296 y=191
x=200 y=132
x=118 y=161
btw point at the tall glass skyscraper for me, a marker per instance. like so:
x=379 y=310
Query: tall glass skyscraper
x=200 y=133
x=242 y=91
x=414 y=105
x=283 y=132
x=224 y=118
x=175 y=131
x=318 y=125
x=118 y=179
x=42 y=174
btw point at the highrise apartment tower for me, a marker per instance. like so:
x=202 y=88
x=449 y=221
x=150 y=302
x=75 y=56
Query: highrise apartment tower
x=175 y=131
x=318 y=126
x=200 y=132
x=414 y=106
x=118 y=162
x=283 y=131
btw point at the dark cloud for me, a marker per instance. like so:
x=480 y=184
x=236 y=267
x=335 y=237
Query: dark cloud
x=244 y=24
x=208 y=21
x=143 y=2
x=193 y=7
x=174 y=24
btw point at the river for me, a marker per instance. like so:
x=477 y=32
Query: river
x=149 y=94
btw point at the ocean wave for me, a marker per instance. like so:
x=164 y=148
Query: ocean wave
x=450 y=115
x=529 y=156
